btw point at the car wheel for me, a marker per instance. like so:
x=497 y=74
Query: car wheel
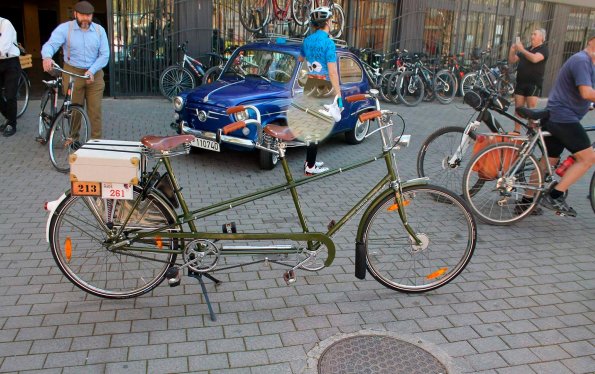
x=358 y=134
x=267 y=160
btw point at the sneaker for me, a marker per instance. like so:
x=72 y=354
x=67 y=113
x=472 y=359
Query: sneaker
x=520 y=207
x=314 y=170
x=559 y=205
x=9 y=131
x=316 y=164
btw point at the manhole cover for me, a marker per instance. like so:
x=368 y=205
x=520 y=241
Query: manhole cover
x=377 y=352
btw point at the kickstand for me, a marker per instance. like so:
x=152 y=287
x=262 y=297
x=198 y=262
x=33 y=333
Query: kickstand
x=199 y=276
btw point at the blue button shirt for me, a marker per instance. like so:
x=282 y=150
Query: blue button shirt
x=89 y=49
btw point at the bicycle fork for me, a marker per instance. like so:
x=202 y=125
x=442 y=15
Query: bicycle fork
x=468 y=134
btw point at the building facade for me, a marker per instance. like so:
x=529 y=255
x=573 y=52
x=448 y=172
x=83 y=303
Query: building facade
x=144 y=34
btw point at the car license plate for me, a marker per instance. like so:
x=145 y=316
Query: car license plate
x=118 y=191
x=86 y=189
x=206 y=144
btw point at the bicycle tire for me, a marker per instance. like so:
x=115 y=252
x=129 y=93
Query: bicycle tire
x=44 y=122
x=23 y=93
x=383 y=84
x=392 y=91
x=338 y=21
x=175 y=79
x=469 y=81
x=255 y=14
x=498 y=201
x=505 y=88
x=64 y=139
x=410 y=88
x=434 y=155
x=592 y=192
x=211 y=75
x=445 y=86
x=300 y=11
x=92 y=267
x=440 y=219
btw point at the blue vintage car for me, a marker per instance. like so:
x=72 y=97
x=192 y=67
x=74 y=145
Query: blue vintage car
x=265 y=74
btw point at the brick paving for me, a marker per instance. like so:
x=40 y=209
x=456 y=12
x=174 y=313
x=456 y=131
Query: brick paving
x=525 y=304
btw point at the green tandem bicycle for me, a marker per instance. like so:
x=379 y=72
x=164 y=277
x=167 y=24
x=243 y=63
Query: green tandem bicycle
x=412 y=236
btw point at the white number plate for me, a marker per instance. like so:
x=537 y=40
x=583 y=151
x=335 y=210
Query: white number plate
x=206 y=144
x=118 y=191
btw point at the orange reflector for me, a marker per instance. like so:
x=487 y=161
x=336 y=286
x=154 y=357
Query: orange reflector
x=159 y=242
x=437 y=273
x=68 y=248
x=396 y=206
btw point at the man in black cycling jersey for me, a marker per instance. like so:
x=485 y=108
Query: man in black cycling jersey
x=568 y=103
x=530 y=70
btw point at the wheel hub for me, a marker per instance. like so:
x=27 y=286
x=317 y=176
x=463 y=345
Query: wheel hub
x=447 y=165
x=425 y=242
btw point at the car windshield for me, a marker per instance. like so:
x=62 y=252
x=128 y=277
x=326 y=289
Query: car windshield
x=261 y=64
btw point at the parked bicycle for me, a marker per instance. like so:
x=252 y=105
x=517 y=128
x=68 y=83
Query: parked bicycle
x=504 y=182
x=498 y=78
x=63 y=127
x=255 y=15
x=412 y=237
x=445 y=153
x=184 y=75
x=418 y=82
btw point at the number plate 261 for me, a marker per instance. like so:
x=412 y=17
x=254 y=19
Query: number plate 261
x=119 y=191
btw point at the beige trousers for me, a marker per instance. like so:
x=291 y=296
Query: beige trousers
x=88 y=94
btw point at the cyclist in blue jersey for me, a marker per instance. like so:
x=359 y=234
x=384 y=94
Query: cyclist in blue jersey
x=319 y=52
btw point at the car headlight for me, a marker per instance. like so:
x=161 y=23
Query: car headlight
x=241 y=116
x=178 y=103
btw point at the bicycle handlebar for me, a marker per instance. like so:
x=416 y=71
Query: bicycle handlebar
x=58 y=68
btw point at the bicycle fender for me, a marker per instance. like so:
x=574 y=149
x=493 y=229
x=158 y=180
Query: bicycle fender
x=360 y=260
x=51 y=207
x=412 y=182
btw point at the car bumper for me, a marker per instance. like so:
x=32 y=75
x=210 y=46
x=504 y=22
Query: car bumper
x=231 y=140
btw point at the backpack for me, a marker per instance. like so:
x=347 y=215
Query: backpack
x=497 y=160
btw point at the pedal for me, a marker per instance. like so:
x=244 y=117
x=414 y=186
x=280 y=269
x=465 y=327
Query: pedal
x=289 y=277
x=229 y=228
x=173 y=276
x=563 y=214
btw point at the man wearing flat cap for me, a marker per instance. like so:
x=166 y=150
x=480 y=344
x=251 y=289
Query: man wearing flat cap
x=86 y=51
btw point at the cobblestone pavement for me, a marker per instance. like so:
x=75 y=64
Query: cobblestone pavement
x=525 y=304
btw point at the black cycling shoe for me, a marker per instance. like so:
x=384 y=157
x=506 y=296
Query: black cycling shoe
x=9 y=131
x=559 y=205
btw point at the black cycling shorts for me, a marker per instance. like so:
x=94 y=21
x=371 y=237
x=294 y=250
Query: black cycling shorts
x=527 y=89
x=571 y=136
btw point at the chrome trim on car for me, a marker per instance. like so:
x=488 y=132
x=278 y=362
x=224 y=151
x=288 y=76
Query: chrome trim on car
x=224 y=138
x=206 y=98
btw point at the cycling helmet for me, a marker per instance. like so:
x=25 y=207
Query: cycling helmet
x=320 y=15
